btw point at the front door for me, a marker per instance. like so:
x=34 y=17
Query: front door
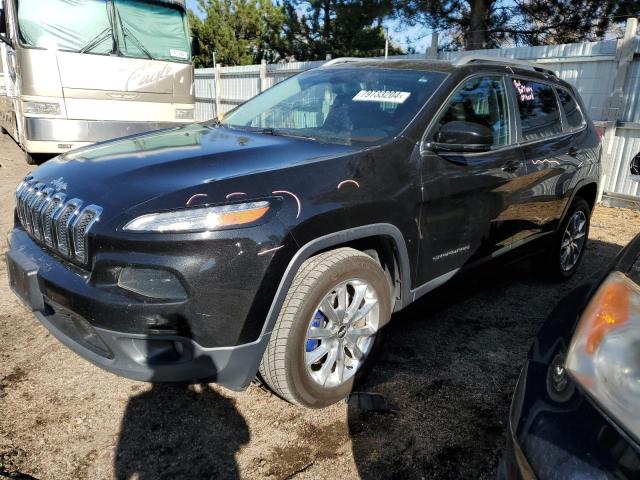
x=466 y=195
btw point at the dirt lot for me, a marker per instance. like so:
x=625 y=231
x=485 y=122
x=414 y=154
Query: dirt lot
x=448 y=370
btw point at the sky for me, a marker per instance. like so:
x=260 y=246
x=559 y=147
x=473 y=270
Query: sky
x=398 y=34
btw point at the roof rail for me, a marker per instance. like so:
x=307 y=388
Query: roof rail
x=336 y=61
x=472 y=57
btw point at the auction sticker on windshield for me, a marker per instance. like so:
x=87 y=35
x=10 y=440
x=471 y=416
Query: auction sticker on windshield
x=390 y=96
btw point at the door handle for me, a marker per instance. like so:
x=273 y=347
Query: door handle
x=511 y=166
x=573 y=152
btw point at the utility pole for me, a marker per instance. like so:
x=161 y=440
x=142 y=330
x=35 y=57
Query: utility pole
x=386 y=42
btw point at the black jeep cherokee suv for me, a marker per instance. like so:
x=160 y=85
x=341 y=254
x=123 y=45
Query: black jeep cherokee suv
x=281 y=238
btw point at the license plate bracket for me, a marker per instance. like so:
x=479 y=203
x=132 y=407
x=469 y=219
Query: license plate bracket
x=23 y=280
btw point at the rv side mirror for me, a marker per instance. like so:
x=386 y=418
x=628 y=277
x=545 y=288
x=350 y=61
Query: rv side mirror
x=195 y=47
x=3 y=20
x=635 y=168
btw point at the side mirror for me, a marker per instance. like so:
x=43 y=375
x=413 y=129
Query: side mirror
x=635 y=168
x=460 y=136
x=195 y=47
x=3 y=26
x=3 y=20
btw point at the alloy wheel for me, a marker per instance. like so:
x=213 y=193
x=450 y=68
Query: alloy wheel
x=341 y=333
x=573 y=241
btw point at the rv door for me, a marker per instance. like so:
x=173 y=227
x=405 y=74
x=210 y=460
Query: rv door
x=9 y=91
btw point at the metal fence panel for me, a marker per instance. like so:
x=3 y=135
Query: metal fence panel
x=626 y=145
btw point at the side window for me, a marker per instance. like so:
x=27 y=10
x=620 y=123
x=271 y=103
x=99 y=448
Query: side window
x=539 y=110
x=481 y=100
x=571 y=109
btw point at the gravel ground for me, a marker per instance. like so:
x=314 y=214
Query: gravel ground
x=448 y=369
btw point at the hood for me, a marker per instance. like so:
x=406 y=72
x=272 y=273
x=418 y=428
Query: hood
x=175 y=164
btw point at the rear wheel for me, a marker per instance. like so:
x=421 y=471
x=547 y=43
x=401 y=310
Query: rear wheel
x=36 y=158
x=569 y=242
x=328 y=330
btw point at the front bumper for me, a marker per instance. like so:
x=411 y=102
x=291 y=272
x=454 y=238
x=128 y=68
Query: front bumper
x=62 y=130
x=107 y=327
x=158 y=358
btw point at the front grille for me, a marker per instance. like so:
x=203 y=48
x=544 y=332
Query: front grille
x=59 y=224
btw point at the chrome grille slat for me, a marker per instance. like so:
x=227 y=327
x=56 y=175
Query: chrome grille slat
x=34 y=200
x=34 y=211
x=26 y=197
x=57 y=203
x=80 y=228
x=62 y=225
x=39 y=213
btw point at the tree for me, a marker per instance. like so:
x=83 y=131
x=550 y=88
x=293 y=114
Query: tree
x=566 y=21
x=476 y=24
x=338 y=27
x=240 y=32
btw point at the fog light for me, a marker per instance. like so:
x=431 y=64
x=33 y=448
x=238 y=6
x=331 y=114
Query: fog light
x=151 y=282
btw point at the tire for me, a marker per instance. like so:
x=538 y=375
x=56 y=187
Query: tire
x=30 y=158
x=36 y=158
x=311 y=306
x=554 y=266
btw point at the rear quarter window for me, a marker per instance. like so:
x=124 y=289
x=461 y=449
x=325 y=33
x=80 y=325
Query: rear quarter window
x=572 y=112
x=538 y=108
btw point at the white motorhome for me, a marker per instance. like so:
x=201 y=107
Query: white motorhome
x=76 y=72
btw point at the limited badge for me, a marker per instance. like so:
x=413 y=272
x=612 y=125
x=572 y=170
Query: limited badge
x=389 y=96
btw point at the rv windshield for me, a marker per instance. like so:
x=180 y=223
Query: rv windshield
x=131 y=28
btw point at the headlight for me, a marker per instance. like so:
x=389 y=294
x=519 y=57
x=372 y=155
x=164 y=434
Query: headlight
x=184 y=113
x=199 y=219
x=41 y=108
x=604 y=355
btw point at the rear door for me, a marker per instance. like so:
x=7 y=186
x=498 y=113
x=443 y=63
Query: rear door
x=550 y=154
x=466 y=194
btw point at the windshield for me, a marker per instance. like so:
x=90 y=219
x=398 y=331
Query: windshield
x=346 y=105
x=131 y=28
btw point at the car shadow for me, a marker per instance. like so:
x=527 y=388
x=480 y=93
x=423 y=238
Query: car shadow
x=175 y=431
x=448 y=370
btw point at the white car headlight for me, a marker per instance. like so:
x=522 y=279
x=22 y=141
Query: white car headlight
x=184 y=113
x=199 y=219
x=41 y=108
x=604 y=355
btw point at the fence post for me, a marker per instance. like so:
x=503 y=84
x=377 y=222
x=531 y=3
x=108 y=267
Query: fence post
x=218 y=83
x=263 y=75
x=624 y=56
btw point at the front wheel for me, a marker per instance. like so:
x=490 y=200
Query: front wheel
x=328 y=329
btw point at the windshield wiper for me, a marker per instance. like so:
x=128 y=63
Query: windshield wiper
x=127 y=33
x=97 y=40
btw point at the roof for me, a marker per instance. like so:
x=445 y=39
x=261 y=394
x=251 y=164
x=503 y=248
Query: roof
x=466 y=61
x=393 y=63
